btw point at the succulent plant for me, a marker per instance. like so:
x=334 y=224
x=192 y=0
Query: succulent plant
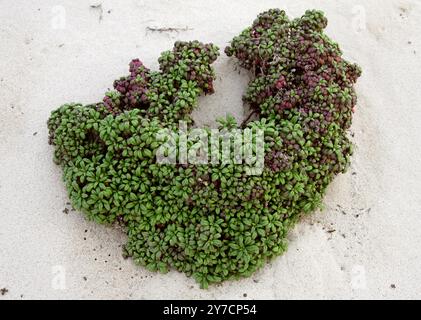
x=213 y=222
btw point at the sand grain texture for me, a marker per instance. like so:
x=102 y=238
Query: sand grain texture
x=364 y=244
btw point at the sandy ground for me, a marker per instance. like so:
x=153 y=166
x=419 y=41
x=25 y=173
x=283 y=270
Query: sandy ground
x=364 y=244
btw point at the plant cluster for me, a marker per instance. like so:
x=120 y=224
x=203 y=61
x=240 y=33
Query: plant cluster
x=213 y=222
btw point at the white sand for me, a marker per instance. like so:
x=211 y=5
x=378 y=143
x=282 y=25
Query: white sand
x=375 y=208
